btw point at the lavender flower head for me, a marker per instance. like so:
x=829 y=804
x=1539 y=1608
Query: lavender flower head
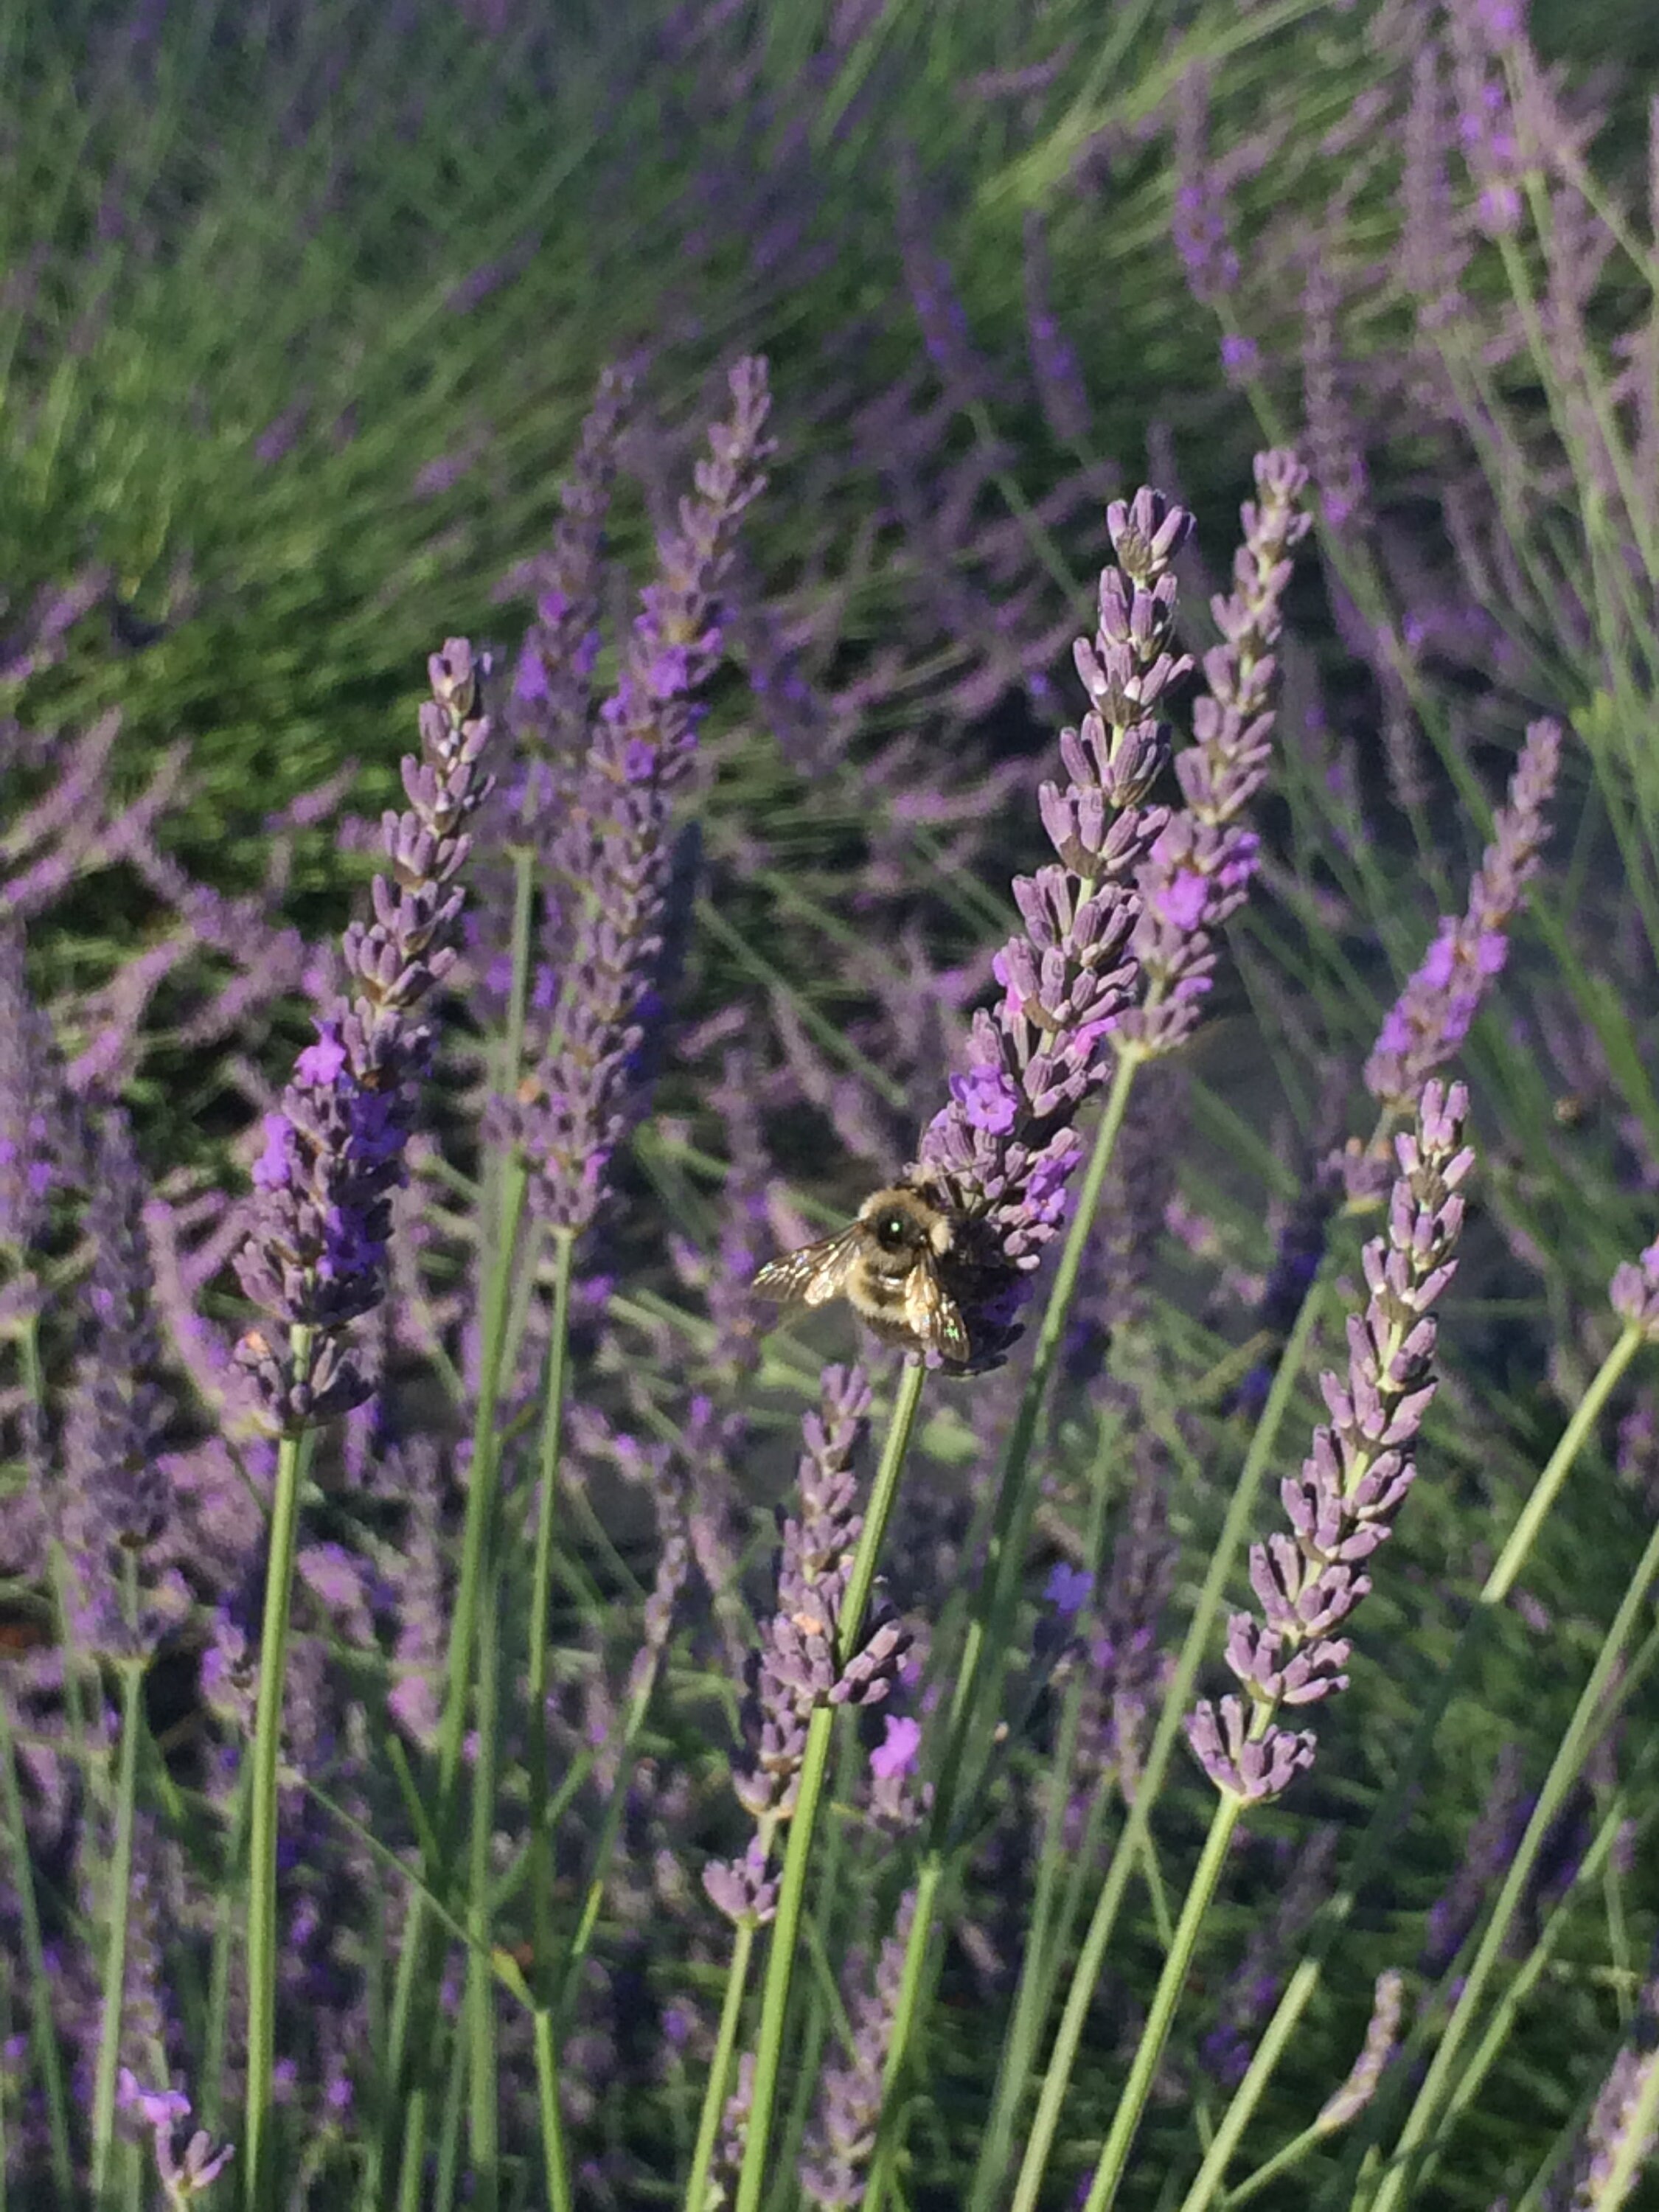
x=1342 y=1505
x=315 y=1259
x=1432 y=1015
x=840 y=2140
x=1201 y=864
x=1003 y=1151
x=800 y=1664
x=616 y=852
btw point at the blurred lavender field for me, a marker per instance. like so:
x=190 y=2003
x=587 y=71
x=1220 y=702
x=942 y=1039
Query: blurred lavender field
x=1039 y=621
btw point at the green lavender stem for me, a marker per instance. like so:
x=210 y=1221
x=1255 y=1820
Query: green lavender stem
x=405 y=2098
x=293 y=1458
x=115 y=1956
x=719 y=2067
x=1102 y=2193
x=781 y=1958
x=541 y=1587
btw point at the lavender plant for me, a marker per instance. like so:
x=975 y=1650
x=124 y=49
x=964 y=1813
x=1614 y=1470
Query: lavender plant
x=480 y=1964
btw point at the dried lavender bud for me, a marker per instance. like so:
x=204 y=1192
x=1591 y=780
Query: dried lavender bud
x=1432 y=1015
x=1342 y=1505
x=1382 y=2040
x=1607 y=2132
x=616 y=850
x=840 y=2139
x=316 y=1257
x=1001 y=1152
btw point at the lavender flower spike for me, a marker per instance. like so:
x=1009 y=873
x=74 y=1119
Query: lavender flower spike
x=1342 y=1505
x=799 y=1664
x=1002 y=1151
x=1201 y=865
x=841 y=2139
x=316 y=1257
x=617 y=852
x=1432 y=1015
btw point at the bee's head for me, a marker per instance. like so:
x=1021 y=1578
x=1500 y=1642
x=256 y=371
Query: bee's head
x=900 y=1222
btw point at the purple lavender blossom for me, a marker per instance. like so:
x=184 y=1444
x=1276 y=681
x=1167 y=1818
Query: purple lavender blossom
x=1003 y=1151
x=799 y=1664
x=316 y=1257
x=1201 y=864
x=1432 y=1015
x=1634 y=1292
x=161 y=2111
x=841 y=2137
x=551 y=698
x=1055 y=370
x=1342 y=1505
x=35 y=1115
x=1199 y=219
x=616 y=852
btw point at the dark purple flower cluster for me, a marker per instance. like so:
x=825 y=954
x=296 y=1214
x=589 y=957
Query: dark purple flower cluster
x=1342 y=1505
x=315 y=1257
x=614 y=853
x=551 y=694
x=114 y=1490
x=1432 y=1015
x=1201 y=865
x=799 y=1665
x=840 y=2140
x=1003 y=1150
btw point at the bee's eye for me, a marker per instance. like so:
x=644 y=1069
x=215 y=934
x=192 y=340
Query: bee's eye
x=891 y=1230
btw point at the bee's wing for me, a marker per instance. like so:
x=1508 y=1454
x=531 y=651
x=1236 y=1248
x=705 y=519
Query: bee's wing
x=812 y=1273
x=932 y=1315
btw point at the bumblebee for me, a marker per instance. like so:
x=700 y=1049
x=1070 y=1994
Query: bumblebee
x=887 y=1265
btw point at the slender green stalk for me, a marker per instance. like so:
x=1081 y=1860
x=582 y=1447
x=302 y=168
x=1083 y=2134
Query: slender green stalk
x=570 y=1964
x=781 y=1958
x=1264 y=2062
x=1518 y=1548
x=47 y=2057
x=1413 y=2153
x=293 y=1458
x=483 y=2118
x=115 y=1956
x=720 y=2070
x=404 y=2097
x=1126 y=1852
x=554 y=2159
x=1102 y=2194
x=541 y=1589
